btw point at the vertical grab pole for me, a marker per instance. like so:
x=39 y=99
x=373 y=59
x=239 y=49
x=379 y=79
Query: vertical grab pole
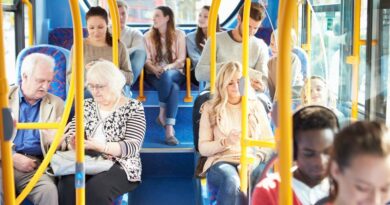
x=212 y=24
x=244 y=100
x=6 y=155
x=355 y=59
x=78 y=65
x=30 y=22
x=115 y=30
x=284 y=96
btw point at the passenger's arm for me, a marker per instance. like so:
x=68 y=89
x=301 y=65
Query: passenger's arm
x=192 y=50
x=138 y=41
x=208 y=146
x=261 y=64
x=135 y=133
x=202 y=69
x=181 y=53
x=124 y=63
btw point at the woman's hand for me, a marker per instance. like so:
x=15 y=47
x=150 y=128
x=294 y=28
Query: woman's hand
x=92 y=144
x=234 y=137
x=158 y=71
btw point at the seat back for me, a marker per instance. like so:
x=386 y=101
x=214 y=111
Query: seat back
x=303 y=58
x=61 y=57
x=63 y=37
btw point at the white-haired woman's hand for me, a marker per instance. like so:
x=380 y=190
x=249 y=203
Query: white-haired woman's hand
x=93 y=144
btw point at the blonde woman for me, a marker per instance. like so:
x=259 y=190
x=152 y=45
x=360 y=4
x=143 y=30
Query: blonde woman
x=220 y=133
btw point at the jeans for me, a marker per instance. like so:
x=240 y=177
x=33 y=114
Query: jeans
x=168 y=87
x=224 y=177
x=137 y=61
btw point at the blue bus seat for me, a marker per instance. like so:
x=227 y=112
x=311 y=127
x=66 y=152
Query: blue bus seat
x=61 y=57
x=302 y=55
x=63 y=37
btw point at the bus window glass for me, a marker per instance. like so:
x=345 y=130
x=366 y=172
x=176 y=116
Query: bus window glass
x=9 y=39
x=186 y=11
x=7 y=2
x=325 y=2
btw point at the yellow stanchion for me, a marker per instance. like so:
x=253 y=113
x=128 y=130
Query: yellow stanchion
x=6 y=155
x=30 y=22
x=79 y=104
x=284 y=96
x=115 y=30
x=141 y=97
x=188 y=97
x=212 y=23
x=354 y=59
x=244 y=99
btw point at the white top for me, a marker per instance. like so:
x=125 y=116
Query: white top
x=309 y=196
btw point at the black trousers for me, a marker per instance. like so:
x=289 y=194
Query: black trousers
x=102 y=188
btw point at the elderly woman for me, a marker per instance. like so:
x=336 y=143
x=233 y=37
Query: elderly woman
x=114 y=128
x=220 y=133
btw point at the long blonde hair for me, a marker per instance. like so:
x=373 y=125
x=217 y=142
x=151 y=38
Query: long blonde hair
x=330 y=100
x=220 y=97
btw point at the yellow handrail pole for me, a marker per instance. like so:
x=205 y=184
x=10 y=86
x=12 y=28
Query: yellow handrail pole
x=141 y=96
x=57 y=138
x=284 y=96
x=188 y=97
x=30 y=22
x=355 y=59
x=212 y=35
x=307 y=48
x=40 y=125
x=244 y=99
x=115 y=30
x=79 y=104
x=260 y=143
x=6 y=155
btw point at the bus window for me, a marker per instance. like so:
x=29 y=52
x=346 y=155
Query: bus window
x=9 y=38
x=141 y=11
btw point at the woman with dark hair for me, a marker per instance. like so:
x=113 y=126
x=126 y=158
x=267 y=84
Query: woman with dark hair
x=197 y=39
x=98 y=44
x=360 y=165
x=166 y=53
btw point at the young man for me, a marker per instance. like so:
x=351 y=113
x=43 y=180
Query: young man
x=133 y=39
x=313 y=132
x=31 y=102
x=229 y=48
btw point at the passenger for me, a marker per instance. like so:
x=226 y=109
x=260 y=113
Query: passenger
x=313 y=132
x=229 y=47
x=115 y=128
x=296 y=71
x=360 y=165
x=197 y=39
x=220 y=133
x=166 y=53
x=31 y=102
x=133 y=40
x=98 y=44
x=320 y=95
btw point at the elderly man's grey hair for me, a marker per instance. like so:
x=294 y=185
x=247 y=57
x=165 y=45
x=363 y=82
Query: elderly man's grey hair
x=122 y=3
x=107 y=72
x=30 y=62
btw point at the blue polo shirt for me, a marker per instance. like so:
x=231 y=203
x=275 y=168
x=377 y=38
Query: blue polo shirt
x=28 y=141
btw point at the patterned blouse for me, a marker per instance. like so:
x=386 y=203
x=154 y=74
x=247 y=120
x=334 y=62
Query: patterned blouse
x=126 y=125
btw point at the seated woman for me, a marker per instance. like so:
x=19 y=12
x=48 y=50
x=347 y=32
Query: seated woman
x=196 y=40
x=98 y=44
x=166 y=53
x=115 y=128
x=360 y=165
x=320 y=95
x=220 y=133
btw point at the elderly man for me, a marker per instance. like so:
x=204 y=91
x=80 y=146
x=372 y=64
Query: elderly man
x=31 y=102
